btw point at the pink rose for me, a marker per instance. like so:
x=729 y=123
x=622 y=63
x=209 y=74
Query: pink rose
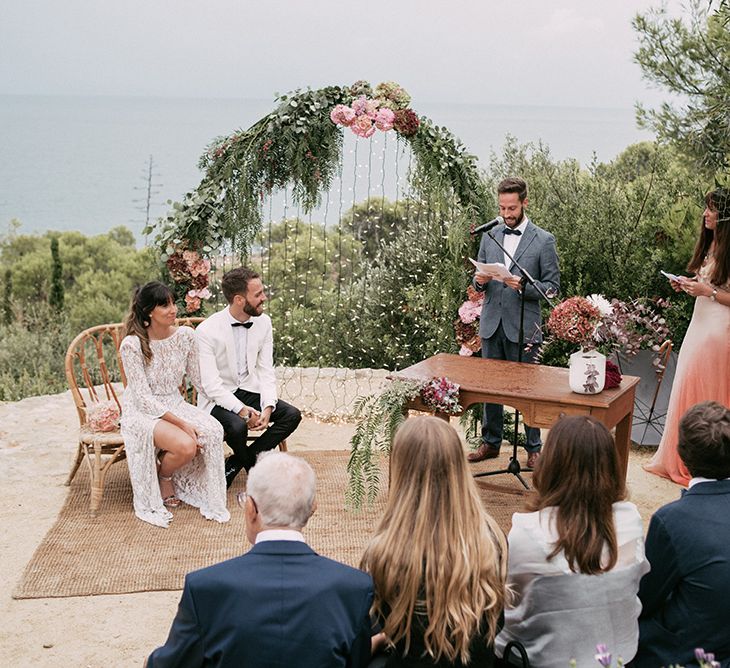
x=384 y=119
x=192 y=304
x=363 y=127
x=190 y=256
x=200 y=268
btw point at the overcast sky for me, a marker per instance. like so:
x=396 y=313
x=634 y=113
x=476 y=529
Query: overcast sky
x=542 y=52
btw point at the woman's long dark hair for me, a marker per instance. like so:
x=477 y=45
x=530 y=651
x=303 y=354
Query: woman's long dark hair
x=578 y=474
x=144 y=301
x=718 y=200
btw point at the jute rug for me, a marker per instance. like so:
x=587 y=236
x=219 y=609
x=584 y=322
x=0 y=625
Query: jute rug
x=115 y=553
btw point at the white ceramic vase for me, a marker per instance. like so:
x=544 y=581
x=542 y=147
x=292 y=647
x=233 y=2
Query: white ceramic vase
x=587 y=371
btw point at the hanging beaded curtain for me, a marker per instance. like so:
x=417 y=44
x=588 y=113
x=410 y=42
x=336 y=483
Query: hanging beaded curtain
x=360 y=236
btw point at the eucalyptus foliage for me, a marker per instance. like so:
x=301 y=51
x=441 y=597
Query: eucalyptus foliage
x=379 y=418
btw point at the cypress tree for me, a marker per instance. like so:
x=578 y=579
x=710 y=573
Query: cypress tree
x=56 y=297
x=7 y=296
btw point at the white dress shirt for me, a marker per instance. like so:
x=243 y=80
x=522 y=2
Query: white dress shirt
x=511 y=241
x=279 y=534
x=240 y=337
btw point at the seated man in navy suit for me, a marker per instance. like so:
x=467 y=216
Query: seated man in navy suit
x=685 y=595
x=280 y=604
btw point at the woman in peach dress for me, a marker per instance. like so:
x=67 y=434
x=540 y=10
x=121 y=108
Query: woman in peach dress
x=703 y=367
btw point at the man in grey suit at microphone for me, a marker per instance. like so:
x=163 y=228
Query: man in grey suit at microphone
x=499 y=326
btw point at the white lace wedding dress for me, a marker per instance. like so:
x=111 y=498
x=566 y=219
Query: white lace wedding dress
x=152 y=390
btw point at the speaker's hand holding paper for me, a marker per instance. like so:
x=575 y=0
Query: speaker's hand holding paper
x=495 y=270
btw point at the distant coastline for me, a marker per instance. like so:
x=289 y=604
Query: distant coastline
x=76 y=163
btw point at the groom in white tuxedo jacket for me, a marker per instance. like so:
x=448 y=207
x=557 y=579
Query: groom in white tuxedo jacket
x=237 y=372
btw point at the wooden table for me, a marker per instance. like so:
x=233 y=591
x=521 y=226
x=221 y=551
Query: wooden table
x=540 y=393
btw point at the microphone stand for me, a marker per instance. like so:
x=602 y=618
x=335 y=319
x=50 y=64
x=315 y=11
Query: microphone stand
x=514 y=464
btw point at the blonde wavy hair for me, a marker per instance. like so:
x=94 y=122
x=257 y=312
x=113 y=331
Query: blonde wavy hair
x=436 y=552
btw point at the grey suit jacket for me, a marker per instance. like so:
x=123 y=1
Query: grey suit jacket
x=536 y=253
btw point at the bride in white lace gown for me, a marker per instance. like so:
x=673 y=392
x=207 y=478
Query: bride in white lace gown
x=157 y=420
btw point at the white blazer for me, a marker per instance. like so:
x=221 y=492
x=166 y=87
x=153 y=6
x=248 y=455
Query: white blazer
x=218 y=367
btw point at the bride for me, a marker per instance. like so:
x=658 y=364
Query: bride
x=174 y=450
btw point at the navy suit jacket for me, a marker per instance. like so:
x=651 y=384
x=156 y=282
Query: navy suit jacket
x=685 y=596
x=280 y=604
x=536 y=253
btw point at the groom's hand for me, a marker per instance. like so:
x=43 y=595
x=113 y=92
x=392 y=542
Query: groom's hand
x=250 y=415
x=263 y=420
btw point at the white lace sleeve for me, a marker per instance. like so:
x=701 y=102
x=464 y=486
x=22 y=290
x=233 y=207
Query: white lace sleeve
x=192 y=361
x=137 y=383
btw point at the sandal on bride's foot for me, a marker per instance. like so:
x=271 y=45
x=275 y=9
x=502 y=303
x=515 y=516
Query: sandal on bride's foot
x=170 y=501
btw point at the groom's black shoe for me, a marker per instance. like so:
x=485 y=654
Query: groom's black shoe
x=233 y=468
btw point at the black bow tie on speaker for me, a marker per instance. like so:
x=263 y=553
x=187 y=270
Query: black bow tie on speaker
x=247 y=325
x=509 y=230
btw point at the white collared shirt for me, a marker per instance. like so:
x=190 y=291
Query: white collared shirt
x=278 y=534
x=699 y=479
x=511 y=241
x=240 y=338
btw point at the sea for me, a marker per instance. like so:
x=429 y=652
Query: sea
x=84 y=163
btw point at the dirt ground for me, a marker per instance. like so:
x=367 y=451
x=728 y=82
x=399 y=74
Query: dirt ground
x=37 y=447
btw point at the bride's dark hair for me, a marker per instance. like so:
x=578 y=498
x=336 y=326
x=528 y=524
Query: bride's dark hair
x=144 y=301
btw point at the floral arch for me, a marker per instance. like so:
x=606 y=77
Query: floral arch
x=355 y=211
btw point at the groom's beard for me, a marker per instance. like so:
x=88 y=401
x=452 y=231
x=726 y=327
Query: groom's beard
x=253 y=310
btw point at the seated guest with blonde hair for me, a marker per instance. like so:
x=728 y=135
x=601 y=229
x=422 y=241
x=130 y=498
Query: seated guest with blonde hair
x=281 y=604
x=685 y=596
x=575 y=562
x=437 y=559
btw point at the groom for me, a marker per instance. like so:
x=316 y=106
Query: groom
x=499 y=325
x=237 y=372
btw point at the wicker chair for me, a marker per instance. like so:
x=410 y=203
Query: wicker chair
x=95 y=373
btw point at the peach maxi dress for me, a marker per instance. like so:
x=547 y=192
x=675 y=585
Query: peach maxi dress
x=703 y=374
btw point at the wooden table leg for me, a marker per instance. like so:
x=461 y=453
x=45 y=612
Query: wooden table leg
x=623 y=441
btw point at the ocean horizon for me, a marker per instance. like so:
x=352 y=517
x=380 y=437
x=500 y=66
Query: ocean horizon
x=79 y=163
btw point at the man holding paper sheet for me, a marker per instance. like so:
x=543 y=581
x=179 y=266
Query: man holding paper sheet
x=499 y=326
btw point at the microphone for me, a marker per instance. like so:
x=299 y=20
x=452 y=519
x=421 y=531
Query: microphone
x=488 y=226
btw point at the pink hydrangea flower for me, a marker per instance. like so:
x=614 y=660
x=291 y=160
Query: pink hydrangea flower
x=384 y=119
x=371 y=109
x=358 y=106
x=363 y=127
x=469 y=311
x=464 y=351
x=342 y=115
x=103 y=416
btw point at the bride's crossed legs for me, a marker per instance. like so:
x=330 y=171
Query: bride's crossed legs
x=179 y=443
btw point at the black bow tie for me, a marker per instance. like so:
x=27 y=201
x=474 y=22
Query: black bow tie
x=247 y=325
x=509 y=230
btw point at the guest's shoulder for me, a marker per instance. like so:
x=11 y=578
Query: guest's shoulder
x=344 y=572
x=185 y=332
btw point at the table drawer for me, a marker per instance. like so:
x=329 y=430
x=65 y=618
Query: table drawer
x=545 y=416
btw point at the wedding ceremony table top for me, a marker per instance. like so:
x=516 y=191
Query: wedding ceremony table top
x=541 y=393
